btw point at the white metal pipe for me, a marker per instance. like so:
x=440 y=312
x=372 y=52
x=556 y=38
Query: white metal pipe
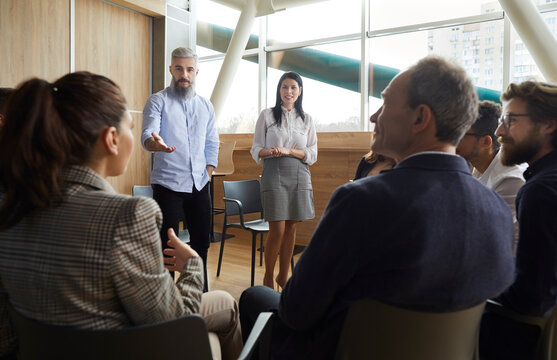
x=234 y=4
x=535 y=34
x=364 y=67
x=436 y=24
x=507 y=60
x=315 y=42
x=233 y=56
x=262 y=94
x=266 y=7
x=284 y=4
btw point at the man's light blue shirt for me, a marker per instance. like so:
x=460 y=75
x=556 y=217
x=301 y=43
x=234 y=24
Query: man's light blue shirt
x=190 y=126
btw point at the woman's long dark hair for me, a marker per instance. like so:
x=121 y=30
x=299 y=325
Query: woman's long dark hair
x=47 y=128
x=277 y=111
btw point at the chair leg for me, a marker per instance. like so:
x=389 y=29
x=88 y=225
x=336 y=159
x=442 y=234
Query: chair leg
x=212 y=224
x=222 y=245
x=253 y=246
x=261 y=252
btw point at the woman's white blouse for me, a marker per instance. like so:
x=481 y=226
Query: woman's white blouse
x=294 y=132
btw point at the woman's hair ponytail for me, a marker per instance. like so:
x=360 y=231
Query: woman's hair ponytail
x=48 y=127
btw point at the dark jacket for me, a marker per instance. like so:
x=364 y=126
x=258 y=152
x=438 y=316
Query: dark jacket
x=425 y=236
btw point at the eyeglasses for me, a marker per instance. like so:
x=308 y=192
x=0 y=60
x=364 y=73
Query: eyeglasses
x=508 y=119
x=474 y=135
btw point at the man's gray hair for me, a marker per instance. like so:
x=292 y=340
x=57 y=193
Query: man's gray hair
x=446 y=88
x=183 y=52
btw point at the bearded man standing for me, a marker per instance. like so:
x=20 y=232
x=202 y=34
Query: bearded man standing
x=177 y=116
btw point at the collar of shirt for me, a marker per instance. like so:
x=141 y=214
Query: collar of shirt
x=292 y=112
x=428 y=152
x=435 y=160
x=547 y=162
x=86 y=176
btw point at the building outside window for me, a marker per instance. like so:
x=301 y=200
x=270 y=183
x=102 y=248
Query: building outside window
x=328 y=57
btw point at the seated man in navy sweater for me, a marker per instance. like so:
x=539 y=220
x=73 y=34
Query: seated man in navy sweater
x=425 y=235
x=528 y=133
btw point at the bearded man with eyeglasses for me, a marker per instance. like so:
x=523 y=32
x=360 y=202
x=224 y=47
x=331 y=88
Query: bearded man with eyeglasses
x=528 y=133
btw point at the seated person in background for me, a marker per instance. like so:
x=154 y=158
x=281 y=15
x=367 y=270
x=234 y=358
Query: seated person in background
x=528 y=133
x=371 y=163
x=73 y=252
x=480 y=147
x=425 y=235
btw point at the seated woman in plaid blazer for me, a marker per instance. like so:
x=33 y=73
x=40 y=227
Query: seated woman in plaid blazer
x=73 y=252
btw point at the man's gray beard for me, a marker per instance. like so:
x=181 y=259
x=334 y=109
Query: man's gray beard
x=183 y=92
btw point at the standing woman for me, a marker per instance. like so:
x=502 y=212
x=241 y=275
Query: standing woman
x=286 y=141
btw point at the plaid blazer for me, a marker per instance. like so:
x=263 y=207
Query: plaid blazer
x=93 y=262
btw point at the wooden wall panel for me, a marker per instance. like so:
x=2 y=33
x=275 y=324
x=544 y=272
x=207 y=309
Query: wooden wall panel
x=35 y=40
x=114 y=42
x=137 y=172
x=338 y=157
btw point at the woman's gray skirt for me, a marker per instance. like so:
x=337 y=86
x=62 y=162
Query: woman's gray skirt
x=286 y=189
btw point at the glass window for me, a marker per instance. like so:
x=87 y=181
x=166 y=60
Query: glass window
x=331 y=82
x=403 y=50
x=523 y=66
x=315 y=21
x=215 y=26
x=393 y=13
x=240 y=110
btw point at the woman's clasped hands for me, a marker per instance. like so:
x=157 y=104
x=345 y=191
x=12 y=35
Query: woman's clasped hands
x=279 y=151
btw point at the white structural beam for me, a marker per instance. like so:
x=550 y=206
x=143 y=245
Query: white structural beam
x=266 y=7
x=234 y=4
x=250 y=9
x=233 y=56
x=364 y=67
x=535 y=34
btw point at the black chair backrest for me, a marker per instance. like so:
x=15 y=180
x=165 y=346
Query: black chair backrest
x=248 y=192
x=182 y=338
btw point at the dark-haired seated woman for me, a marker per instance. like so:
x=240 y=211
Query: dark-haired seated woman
x=373 y=164
x=73 y=252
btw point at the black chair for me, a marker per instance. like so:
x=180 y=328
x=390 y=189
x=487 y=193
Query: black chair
x=225 y=167
x=243 y=198
x=258 y=344
x=546 y=348
x=183 y=338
